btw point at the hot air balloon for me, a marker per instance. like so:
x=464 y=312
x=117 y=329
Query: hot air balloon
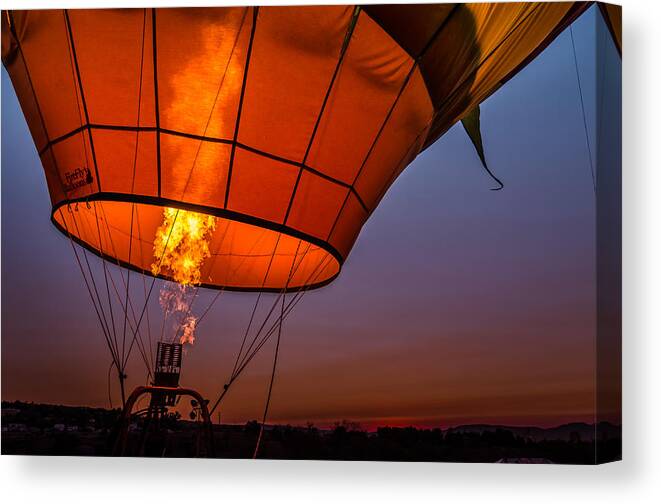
x=244 y=148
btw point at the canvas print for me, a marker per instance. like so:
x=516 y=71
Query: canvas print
x=350 y=232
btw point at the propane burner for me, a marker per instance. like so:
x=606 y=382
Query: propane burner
x=168 y=364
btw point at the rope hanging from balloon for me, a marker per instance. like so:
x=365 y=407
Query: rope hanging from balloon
x=275 y=355
x=585 y=122
x=135 y=161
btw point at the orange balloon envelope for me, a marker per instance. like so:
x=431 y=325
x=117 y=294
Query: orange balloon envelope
x=288 y=124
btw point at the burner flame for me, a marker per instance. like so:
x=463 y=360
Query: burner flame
x=181 y=246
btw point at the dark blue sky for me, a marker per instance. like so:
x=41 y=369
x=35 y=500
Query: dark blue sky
x=456 y=304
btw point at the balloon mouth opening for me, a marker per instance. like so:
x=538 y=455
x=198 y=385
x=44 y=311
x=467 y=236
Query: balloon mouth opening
x=242 y=253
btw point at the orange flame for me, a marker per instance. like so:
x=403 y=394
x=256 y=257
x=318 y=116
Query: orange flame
x=181 y=246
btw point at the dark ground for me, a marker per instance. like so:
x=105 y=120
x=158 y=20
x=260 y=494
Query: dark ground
x=38 y=429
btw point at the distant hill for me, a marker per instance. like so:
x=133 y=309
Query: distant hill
x=565 y=432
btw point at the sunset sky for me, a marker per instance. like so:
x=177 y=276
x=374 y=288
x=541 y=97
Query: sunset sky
x=457 y=304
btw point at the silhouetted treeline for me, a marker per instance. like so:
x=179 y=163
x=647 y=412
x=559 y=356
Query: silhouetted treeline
x=60 y=430
x=427 y=445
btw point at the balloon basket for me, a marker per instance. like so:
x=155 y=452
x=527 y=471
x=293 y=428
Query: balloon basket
x=164 y=393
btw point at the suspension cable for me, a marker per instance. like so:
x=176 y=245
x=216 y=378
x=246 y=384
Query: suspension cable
x=275 y=355
x=129 y=303
x=87 y=284
x=144 y=291
x=94 y=287
x=140 y=343
x=315 y=273
x=259 y=296
x=275 y=302
x=105 y=276
x=585 y=122
x=135 y=161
